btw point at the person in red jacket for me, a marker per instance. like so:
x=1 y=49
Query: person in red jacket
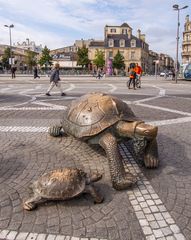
x=138 y=71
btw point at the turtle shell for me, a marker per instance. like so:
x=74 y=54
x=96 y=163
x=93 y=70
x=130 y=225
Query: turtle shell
x=94 y=112
x=60 y=184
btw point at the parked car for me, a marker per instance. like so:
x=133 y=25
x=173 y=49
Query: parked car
x=164 y=74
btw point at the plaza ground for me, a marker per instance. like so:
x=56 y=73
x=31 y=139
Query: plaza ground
x=157 y=207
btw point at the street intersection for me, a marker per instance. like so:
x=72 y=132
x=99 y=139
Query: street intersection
x=157 y=207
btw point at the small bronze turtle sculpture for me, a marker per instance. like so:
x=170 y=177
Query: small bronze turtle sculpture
x=63 y=184
x=103 y=119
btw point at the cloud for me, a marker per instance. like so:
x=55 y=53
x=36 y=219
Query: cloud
x=59 y=23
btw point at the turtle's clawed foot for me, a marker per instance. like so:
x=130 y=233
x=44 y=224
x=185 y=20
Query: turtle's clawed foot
x=55 y=131
x=124 y=182
x=29 y=206
x=98 y=199
x=151 y=161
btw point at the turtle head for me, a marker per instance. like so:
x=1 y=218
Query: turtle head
x=136 y=129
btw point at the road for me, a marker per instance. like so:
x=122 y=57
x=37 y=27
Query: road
x=157 y=207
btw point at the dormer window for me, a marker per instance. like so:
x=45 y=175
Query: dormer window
x=124 y=31
x=122 y=43
x=113 y=30
x=133 y=43
x=111 y=43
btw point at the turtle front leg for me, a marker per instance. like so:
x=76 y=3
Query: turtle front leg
x=151 y=159
x=92 y=191
x=120 y=179
x=32 y=203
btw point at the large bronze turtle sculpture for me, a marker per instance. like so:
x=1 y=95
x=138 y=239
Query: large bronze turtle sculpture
x=63 y=184
x=103 y=119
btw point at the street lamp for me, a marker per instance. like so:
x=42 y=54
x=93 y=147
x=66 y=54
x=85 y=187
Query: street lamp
x=176 y=8
x=10 y=26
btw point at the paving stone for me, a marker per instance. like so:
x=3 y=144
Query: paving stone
x=158 y=233
x=41 y=236
x=179 y=236
x=147 y=231
x=32 y=236
x=175 y=228
x=22 y=236
x=4 y=233
x=12 y=235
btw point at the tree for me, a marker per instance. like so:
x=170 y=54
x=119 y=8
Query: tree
x=82 y=57
x=99 y=60
x=118 y=61
x=5 y=57
x=45 y=59
x=31 y=59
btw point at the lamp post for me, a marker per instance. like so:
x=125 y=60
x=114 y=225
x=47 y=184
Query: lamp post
x=176 y=8
x=10 y=26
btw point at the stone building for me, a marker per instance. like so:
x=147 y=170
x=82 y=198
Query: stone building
x=186 y=44
x=29 y=45
x=116 y=38
x=133 y=48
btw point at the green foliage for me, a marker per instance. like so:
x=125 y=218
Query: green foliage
x=45 y=59
x=5 y=57
x=31 y=59
x=82 y=57
x=118 y=61
x=99 y=60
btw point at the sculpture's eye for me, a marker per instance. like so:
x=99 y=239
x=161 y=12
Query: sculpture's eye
x=89 y=109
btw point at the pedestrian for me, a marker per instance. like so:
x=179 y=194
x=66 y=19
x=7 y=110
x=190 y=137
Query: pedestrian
x=138 y=71
x=132 y=77
x=13 y=70
x=99 y=74
x=55 y=80
x=173 y=74
x=36 y=72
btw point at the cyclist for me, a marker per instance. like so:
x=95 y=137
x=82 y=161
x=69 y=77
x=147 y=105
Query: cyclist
x=138 y=71
x=132 y=76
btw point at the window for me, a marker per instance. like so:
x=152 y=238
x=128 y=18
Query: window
x=122 y=43
x=110 y=43
x=133 y=43
x=113 y=30
x=132 y=56
x=124 y=31
x=110 y=54
x=122 y=53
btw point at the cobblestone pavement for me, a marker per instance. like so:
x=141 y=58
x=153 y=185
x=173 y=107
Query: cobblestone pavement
x=157 y=207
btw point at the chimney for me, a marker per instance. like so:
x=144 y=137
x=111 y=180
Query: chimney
x=187 y=18
x=142 y=37
x=139 y=33
x=129 y=32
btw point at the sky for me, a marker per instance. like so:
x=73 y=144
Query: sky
x=58 y=23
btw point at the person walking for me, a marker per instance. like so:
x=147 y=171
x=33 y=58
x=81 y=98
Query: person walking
x=132 y=77
x=13 y=70
x=36 y=72
x=55 y=80
x=138 y=71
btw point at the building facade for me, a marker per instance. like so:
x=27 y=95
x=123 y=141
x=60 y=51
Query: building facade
x=186 y=44
x=133 y=48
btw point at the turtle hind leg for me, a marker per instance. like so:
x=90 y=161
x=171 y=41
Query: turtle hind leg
x=120 y=179
x=32 y=203
x=151 y=154
x=55 y=131
x=92 y=191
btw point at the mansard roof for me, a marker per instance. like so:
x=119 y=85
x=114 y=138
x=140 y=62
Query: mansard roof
x=118 y=37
